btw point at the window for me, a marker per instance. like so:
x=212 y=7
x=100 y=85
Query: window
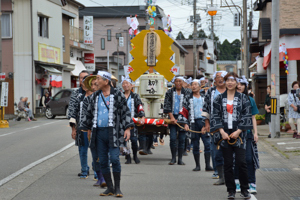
x=57 y=96
x=108 y=35
x=71 y=22
x=102 y=43
x=43 y=26
x=64 y=43
x=66 y=94
x=118 y=35
x=6 y=30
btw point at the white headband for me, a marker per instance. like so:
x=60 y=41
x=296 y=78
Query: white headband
x=178 y=77
x=243 y=80
x=189 y=80
x=223 y=74
x=202 y=79
x=196 y=80
x=127 y=78
x=104 y=75
x=231 y=77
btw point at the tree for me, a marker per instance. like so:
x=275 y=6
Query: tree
x=229 y=51
x=202 y=34
x=180 y=36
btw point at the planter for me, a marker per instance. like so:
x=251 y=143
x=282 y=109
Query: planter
x=282 y=129
x=287 y=127
x=259 y=121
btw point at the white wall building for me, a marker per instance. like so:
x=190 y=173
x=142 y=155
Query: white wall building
x=38 y=53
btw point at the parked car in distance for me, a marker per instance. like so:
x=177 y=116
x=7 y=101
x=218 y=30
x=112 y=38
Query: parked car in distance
x=59 y=104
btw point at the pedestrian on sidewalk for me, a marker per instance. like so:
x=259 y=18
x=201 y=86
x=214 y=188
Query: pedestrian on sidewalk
x=251 y=142
x=216 y=154
x=173 y=104
x=24 y=106
x=294 y=114
x=90 y=86
x=80 y=138
x=232 y=118
x=108 y=121
x=135 y=106
x=196 y=121
x=268 y=109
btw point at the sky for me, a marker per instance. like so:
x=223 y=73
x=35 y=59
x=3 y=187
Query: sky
x=181 y=10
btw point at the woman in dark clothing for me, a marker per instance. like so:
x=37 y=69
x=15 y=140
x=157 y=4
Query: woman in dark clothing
x=268 y=108
x=232 y=118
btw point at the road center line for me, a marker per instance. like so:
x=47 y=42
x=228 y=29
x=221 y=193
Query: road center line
x=24 y=169
x=284 y=143
x=7 y=134
x=30 y=128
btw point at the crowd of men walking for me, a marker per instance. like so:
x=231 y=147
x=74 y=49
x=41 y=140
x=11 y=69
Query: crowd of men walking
x=223 y=116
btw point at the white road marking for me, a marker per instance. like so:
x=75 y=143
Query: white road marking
x=24 y=169
x=284 y=143
x=29 y=128
x=253 y=197
x=7 y=134
x=289 y=148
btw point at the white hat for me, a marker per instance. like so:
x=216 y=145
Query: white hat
x=243 y=80
x=127 y=78
x=196 y=80
x=223 y=73
x=104 y=74
x=189 y=80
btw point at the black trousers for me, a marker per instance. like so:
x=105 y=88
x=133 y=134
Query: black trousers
x=240 y=163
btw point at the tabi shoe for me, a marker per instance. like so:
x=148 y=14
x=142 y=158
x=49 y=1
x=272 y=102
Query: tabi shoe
x=180 y=153
x=221 y=180
x=173 y=152
x=245 y=195
x=102 y=180
x=117 y=179
x=135 y=158
x=84 y=176
x=185 y=153
x=197 y=161
x=252 y=189
x=144 y=150
x=149 y=147
x=208 y=168
x=231 y=195
x=97 y=184
x=128 y=159
x=95 y=176
x=110 y=188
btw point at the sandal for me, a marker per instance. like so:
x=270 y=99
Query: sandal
x=155 y=144
x=161 y=141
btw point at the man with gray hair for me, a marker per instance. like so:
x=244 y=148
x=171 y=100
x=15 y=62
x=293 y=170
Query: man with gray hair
x=23 y=106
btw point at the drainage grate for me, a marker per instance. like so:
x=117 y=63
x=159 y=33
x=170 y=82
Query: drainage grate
x=295 y=198
x=262 y=152
x=276 y=170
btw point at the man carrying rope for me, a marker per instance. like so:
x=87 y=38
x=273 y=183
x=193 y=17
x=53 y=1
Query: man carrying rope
x=174 y=100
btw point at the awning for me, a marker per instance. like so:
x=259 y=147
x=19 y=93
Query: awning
x=253 y=65
x=51 y=69
x=78 y=66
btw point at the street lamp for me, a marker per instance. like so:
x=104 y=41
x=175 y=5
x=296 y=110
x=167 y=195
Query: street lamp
x=208 y=57
x=212 y=11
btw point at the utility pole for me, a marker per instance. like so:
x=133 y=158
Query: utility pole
x=194 y=41
x=212 y=34
x=275 y=76
x=245 y=41
x=249 y=40
x=147 y=17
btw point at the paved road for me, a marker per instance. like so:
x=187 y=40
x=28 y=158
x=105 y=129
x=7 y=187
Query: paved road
x=56 y=178
x=25 y=143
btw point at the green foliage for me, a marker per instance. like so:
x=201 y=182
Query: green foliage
x=180 y=36
x=260 y=117
x=229 y=51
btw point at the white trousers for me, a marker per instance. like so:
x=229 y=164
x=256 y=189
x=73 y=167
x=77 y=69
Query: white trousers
x=292 y=124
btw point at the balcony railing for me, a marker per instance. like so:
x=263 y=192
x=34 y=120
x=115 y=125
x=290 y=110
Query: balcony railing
x=76 y=34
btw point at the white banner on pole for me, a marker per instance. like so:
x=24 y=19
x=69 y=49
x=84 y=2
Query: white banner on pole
x=175 y=70
x=4 y=94
x=88 y=29
x=127 y=69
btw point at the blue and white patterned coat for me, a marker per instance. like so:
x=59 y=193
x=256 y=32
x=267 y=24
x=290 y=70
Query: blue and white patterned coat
x=293 y=99
x=241 y=116
x=119 y=117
